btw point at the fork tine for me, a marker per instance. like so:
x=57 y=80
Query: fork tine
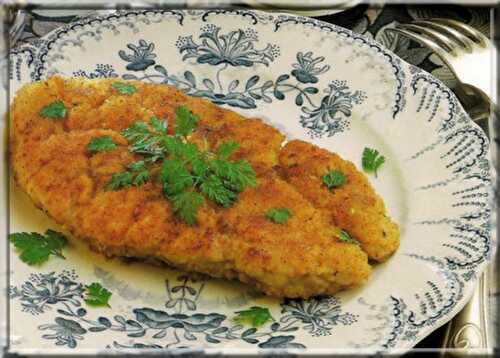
x=476 y=35
x=422 y=40
x=451 y=32
x=433 y=35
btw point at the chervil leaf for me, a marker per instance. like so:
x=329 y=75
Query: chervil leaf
x=158 y=125
x=55 y=110
x=333 y=179
x=255 y=316
x=123 y=88
x=214 y=189
x=186 y=205
x=135 y=131
x=371 y=160
x=345 y=237
x=98 y=144
x=224 y=150
x=96 y=295
x=278 y=215
x=174 y=176
x=137 y=166
x=235 y=175
x=143 y=141
x=178 y=149
x=120 y=180
x=185 y=121
x=35 y=248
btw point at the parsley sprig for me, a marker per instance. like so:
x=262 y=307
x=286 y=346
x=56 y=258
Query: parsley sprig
x=54 y=110
x=35 y=248
x=254 y=316
x=99 y=144
x=333 y=179
x=96 y=295
x=278 y=215
x=187 y=173
x=372 y=160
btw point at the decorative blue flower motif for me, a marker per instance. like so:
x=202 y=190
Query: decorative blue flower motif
x=235 y=48
x=43 y=290
x=327 y=117
x=101 y=71
x=319 y=315
x=307 y=69
x=66 y=332
x=141 y=58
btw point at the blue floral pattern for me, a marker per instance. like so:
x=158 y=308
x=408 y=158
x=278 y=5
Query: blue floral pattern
x=181 y=321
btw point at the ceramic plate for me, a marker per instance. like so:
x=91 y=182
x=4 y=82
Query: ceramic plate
x=313 y=81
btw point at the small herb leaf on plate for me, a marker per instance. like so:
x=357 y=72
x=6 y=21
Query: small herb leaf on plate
x=372 y=160
x=123 y=88
x=36 y=248
x=55 y=110
x=255 y=316
x=96 y=295
x=278 y=215
x=333 y=179
x=99 y=144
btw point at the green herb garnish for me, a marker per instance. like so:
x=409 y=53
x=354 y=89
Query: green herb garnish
x=35 y=248
x=185 y=121
x=187 y=173
x=186 y=205
x=372 y=160
x=255 y=316
x=96 y=295
x=137 y=173
x=278 y=215
x=99 y=144
x=224 y=150
x=56 y=109
x=333 y=179
x=124 y=88
x=345 y=237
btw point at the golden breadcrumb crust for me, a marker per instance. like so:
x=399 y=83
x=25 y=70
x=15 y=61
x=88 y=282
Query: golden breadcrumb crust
x=300 y=258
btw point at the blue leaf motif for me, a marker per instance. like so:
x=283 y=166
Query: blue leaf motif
x=104 y=321
x=188 y=75
x=252 y=81
x=281 y=342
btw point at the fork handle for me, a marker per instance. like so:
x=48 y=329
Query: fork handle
x=468 y=330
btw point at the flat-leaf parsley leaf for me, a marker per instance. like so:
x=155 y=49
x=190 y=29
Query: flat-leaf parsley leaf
x=35 y=248
x=278 y=215
x=123 y=88
x=99 y=144
x=255 y=316
x=333 y=179
x=96 y=295
x=56 y=109
x=372 y=160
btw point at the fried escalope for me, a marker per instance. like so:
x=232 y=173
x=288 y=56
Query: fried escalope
x=302 y=257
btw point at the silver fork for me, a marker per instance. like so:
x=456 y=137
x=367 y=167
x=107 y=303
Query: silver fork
x=467 y=53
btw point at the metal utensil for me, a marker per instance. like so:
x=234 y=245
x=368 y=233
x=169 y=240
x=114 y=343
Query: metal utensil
x=468 y=54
